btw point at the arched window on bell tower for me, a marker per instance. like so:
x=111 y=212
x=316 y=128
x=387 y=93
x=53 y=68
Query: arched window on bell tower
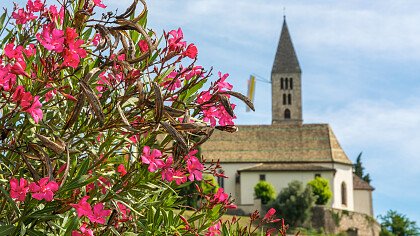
x=291 y=83
x=289 y=98
x=286 y=83
x=343 y=194
x=287 y=114
x=282 y=83
x=284 y=99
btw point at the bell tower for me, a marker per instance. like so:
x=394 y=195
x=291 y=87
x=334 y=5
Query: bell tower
x=286 y=86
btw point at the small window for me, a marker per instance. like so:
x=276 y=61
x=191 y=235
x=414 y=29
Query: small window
x=289 y=99
x=287 y=114
x=282 y=83
x=291 y=83
x=286 y=84
x=262 y=177
x=221 y=181
x=284 y=99
x=317 y=175
x=343 y=194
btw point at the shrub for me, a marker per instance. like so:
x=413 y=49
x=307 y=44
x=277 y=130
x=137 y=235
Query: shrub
x=294 y=203
x=100 y=123
x=397 y=224
x=264 y=191
x=321 y=190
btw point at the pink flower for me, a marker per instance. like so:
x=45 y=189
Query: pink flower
x=269 y=213
x=35 y=110
x=51 y=38
x=172 y=81
x=96 y=39
x=35 y=6
x=220 y=196
x=152 y=159
x=121 y=170
x=99 y=3
x=74 y=52
x=191 y=51
x=222 y=84
x=21 y=16
x=144 y=47
x=167 y=170
x=99 y=214
x=83 y=208
x=270 y=231
x=84 y=231
x=7 y=79
x=175 y=42
x=56 y=15
x=179 y=177
x=194 y=167
x=196 y=70
x=214 y=230
x=18 y=189
x=44 y=189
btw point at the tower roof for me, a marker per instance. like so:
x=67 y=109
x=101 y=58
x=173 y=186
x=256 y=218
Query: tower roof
x=286 y=60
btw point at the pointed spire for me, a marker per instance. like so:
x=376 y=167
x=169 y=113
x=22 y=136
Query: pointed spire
x=286 y=60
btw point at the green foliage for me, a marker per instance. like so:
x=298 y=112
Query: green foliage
x=397 y=224
x=321 y=189
x=359 y=169
x=209 y=184
x=294 y=203
x=264 y=191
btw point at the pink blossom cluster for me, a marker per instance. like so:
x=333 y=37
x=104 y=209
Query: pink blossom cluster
x=174 y=80
x=95 y=214
x=213 y=113
x=42 y=189
x=64 y=42
x=193 y=171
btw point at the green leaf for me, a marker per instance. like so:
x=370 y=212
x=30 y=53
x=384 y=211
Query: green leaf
x=2 y=19
x=10 y=200
x=32 y=232
x=129 y=234
x=71 y=225
x=7 y=229
x=78 y=182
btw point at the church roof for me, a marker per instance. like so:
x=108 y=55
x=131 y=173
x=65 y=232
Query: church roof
x=360 y=184
x=286 y=60
x=285 y=167
x=307 y=143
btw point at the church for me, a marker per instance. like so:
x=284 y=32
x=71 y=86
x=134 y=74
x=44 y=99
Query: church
x=288 y=149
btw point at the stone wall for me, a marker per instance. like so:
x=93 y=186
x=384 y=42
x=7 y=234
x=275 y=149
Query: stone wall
x=340 y=221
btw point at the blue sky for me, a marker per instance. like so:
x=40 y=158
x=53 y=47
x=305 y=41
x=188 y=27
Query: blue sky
x=360 y=63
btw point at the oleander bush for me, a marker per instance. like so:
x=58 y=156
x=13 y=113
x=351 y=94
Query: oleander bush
x=100 y=122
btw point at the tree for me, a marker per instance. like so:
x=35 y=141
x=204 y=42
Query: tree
x=294 y=203
x=397 y=224
x=264 y=191
x=321 y=190
x=98 y=114
x=359 y=169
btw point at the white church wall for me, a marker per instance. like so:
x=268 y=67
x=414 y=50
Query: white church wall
x=279 y=180
x=230 y=170
x=363 y=202
x=344 y=174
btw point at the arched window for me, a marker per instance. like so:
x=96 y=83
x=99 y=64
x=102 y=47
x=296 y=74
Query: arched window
x=284 y=99
x=281 y=83
x=291 y=83
x=286 y=84
x=343 y=194
x=287 y=114
x=289 y=98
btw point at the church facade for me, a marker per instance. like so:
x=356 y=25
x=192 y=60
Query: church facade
x=288 y=149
